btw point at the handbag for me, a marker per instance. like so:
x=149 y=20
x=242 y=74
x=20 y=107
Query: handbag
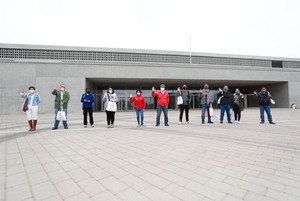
x=219 y=100
x=61 y=115
x=25 y=105
x=111 y=106
x=272 y=101
x=179 y=100
x=211 y=110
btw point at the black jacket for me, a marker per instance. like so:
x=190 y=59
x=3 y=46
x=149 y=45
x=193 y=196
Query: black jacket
x=264 y=99
x=227 y=97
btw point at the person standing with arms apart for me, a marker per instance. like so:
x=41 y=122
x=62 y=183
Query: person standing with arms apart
x=185 y=106
x=238 y=105
x=111 y=97
x=162 y=103
x=139 y=105
x=206 y=100
x=264 y=99
x=225 y=103
x=62 y=98
x=31 y=106
x=87 y=100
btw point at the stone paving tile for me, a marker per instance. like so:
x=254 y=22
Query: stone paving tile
x=91 y=186
x=67 y=188
x=135 y=182
x=132 y=195
x=113 y=184
x=23 y=193
x=183 y=193
x=156 y=194
x=44 y=191
x=78 y=174
x=106 y=195
x=79 y=197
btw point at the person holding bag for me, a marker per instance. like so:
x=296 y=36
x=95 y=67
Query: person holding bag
x=206 y=100
x=110 y=100
x=183 y=101
x=264 y=99
x=30 y=106
x=61 y=100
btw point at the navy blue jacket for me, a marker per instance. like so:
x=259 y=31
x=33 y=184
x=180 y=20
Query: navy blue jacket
x=88 y=97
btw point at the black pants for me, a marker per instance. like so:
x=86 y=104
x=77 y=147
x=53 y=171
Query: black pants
x=110 y=117
x=87 y=110
x=237 y=112
x=186 y=109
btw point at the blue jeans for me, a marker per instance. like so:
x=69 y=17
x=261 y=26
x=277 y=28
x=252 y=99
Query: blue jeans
x=225 y=108
x=205 y=106
x=56 y=122
x=139 y=116
x=268 y=111
x=165 y=111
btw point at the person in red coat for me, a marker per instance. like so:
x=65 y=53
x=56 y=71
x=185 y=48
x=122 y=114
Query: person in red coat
x=162 y=103
x=139 y=106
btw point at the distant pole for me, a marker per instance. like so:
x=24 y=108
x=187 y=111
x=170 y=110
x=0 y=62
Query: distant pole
x=190 y=49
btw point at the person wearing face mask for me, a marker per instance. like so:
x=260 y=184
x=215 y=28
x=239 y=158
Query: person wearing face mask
x=238 y=105
x=87 y=100
x=32 y=101
x=225 y=103
x=206 y=100
x=139 y=105
x=110 y=96
x=185 y=106
x=264 y=99
x=162 y=104
x=61 y=100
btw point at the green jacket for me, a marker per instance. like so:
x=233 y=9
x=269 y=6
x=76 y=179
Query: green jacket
x=65 y=100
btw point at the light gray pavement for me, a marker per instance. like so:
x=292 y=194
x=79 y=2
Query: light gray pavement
x=196 y=162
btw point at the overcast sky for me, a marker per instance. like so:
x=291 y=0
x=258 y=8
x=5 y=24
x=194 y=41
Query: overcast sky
x=248 y=27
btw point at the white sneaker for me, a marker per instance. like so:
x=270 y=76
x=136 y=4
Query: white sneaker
x=235 y=121
x=138 y=125
x=85 y=126
x=239 y=122
x=188 y=122
x=179 y=123
x=92 y=126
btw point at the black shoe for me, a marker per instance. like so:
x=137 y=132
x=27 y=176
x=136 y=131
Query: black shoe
x=272 y=122
x=261 y=122
x=54 y=128
x=221 y=122
x=203 y=122
x=66 y=127
x=210 y=122
x=166 y=124
x=230 y=122
x=157 y=125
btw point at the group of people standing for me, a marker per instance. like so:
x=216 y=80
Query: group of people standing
x=226 y=99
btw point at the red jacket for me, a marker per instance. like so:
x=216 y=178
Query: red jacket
x=139 y=101
x=162 y=97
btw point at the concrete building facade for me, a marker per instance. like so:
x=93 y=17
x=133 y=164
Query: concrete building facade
x=127 y=70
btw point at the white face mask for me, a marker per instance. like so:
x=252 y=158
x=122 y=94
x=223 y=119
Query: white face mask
x=162 y=89
x=110 y=91
x=138 y=94
x=31 y=91
x=62 y=89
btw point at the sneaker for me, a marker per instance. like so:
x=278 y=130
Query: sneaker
x=138 y=125
x=203 y=122
x=230 y=122
x=261 y=122
x=166 y=124
x=188 y=122
x=54 y=128
x=108 y=126
x=66 y=127
x=221 y=122
x=210 y=122
x=157 y=125
x=143 y=125
x=179 y=123
x=92 y=126
x=272 y=122
x=235 y=121
x=85 y=126
x=239 y=122
x=111 y=126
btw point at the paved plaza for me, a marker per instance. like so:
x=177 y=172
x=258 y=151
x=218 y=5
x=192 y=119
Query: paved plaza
x=195 y=162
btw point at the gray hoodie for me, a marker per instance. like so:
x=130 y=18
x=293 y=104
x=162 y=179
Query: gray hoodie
x=186 y=96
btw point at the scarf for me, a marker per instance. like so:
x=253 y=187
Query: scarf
x=207 y=94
